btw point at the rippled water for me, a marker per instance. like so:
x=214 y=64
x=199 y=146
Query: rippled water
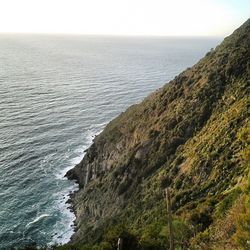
x=56 y=92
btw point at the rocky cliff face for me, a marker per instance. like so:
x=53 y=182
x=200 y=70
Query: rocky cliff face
x=183 y=136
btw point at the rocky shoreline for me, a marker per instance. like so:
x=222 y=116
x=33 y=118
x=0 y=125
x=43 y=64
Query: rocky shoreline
x=70 y=200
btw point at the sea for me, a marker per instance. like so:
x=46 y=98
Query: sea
x=56 y=93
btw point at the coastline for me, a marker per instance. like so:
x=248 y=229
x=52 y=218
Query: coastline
x=65 y=208
x=71 y=175
x=72 y=194
x=71 y=207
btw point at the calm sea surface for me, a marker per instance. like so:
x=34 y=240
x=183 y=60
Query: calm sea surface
x=56 y=93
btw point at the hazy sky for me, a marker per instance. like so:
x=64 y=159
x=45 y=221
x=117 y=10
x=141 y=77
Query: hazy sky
x=124 y=17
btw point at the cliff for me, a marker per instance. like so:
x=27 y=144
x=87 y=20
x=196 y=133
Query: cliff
x=190 y=136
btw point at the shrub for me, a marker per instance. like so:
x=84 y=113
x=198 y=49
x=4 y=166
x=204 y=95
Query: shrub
x=120 y=231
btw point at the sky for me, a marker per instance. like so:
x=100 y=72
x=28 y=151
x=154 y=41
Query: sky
x=124 y=17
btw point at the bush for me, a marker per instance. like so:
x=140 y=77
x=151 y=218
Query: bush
x=154 y=236
x=120 y=231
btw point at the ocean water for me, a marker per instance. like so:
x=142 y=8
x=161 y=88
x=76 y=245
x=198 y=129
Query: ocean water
x=56 y=93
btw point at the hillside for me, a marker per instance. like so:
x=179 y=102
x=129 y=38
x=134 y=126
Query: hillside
x=192 y=136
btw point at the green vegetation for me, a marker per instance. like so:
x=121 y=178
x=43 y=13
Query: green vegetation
x=193 y=136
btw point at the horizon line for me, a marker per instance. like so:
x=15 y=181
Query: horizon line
x=114 y=35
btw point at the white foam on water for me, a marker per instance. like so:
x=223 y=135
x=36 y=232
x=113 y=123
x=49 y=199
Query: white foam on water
x=37 y=219
x=80 y=154
x=71 y=163
x=65 y=228
x=68 y=216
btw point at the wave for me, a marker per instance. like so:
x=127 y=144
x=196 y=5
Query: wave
x=37 y=219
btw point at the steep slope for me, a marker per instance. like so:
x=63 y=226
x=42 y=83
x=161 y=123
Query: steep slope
x=184 y=136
